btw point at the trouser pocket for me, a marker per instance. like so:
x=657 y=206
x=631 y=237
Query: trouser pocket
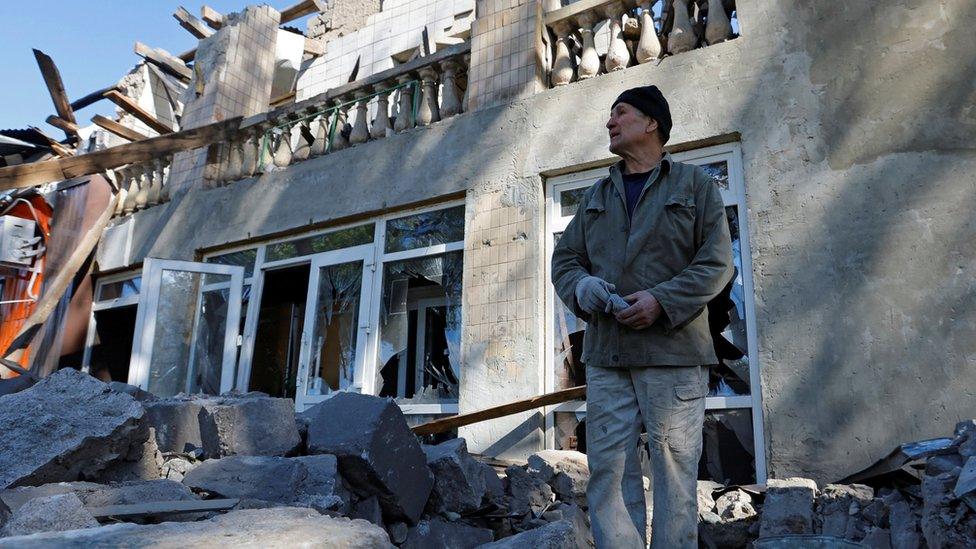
x=687 y=415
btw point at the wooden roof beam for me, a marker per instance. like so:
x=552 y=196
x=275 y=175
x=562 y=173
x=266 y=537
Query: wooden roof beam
x=302 y=9
x=165 y=61
x=115 y=128
x=211 y=17
x=68 y=127
x=59 y=149
x=93 y=97
x=52 y=79
x=190 y=22
x=130 y=106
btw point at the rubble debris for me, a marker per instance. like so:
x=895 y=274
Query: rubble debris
x=370 y=510
x=441 y=533
x=834 y=505
x=176 y=466
x=250 y=424
x=377 y=452
x=312 y=481
x=278 y=527
x=788 y=508
x=67 y=426
x=55 y=513
x=566 y=471
x=734 y=505
x=555 y=535
x=142 y=461
x=528 y=492
x=459 y=479
x=131 y=390
x=704 y=491
x=494 y=487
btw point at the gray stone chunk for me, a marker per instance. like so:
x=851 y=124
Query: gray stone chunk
x=459 y=479
x=128 y=493
x=943 y=463
x=142 y=461
x=966 y=484
x=566 y=471
x=279 y=527
x=438 y=533
x=49 y=514
x=788 y=508
x=575 y=515
x=834 y=506
x=66 y=426
x=369 y=510
x=377 y=452
x=704 y=491
x=312 y=480
x=528 y=492
x=14 y=498
x=177 y=424
x=494 y=487
x=249 y=425
x=131 y=390
x=555 y=535
x=904 y=525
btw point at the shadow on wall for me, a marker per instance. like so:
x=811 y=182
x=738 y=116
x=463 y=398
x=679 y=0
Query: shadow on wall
x=864 y=240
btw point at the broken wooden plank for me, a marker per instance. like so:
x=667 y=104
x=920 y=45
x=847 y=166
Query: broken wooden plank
x=47 y=171
x=69 y=128
x=162 y=58
x=190 y=22
x=91 y=98
x=211 y=17
x=55 y=287
x=446 y=424
x=302 y=9
x=52 y=79
x=59 y=149
x=188 y=55
x=163 y=507
x=130 y=106
x=114 y=127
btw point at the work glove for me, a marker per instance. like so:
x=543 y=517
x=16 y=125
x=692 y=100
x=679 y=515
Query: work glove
x=593 y=295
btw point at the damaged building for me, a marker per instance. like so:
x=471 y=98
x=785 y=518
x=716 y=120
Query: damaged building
x=369 y=204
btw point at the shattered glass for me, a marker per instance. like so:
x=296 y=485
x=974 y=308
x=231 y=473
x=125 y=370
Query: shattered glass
x=728 y=454
x=333 y=360
x=569 y=201
x=335 y=240
x=731 y=376
x=720 y=172
x=243 y=258
x=425 y=229
x=420 y=329
x=188 y=342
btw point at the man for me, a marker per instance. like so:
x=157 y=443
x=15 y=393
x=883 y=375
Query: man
x=655 y=233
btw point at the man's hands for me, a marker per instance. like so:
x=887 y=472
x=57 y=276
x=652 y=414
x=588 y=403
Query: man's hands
x=593 y=294
x=644 y=310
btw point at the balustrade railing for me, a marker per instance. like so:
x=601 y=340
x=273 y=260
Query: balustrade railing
x=418 y=93
x=143 y=185
x=640 y=31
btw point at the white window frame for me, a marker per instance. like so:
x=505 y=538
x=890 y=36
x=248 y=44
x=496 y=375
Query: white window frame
x=368 y=365
x=735 y=195
x=101 y=305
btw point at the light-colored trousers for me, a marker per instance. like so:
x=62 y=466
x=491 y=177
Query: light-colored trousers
x=671 y=403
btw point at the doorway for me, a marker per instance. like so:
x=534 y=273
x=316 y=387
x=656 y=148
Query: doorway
x=277 y=341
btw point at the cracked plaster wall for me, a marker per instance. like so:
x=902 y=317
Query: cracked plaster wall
x=856 y=127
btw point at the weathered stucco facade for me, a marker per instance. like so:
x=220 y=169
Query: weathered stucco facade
x=855 y=125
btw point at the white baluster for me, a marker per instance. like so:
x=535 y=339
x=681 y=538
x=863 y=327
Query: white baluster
x=360 y=131
x=123 y=179
x=562 y=66
x=429 y=112
x=235 y=162
x=155 y=184
x=382 y=121
x=590 y=60
x=164 y=167
x=303 y=149
x=719 y=27
x=249 y=158
x=649 y=46
x=404 y=119
x=450 y=103
x=282 y=154
x=618 y=56
x=682 y=37
x=321 y=127
x=339 y=141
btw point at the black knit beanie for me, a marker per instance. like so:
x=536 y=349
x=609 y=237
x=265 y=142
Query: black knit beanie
x=650 y=101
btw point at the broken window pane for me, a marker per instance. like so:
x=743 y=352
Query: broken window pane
x=569 y=200
x=425 y=229
x=727 y=319
x=336 y=328
x=336 y=240
x=728 y=449
x=120 y=289
x=570 y=428
x=420 y=329
x=243 y=258
x=567 y=344
x=173 y=368
x=719 y=171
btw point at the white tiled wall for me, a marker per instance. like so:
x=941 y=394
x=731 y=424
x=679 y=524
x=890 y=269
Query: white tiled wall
x=399 y=27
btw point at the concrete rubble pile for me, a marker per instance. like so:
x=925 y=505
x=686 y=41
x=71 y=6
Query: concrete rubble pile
x=349 y=472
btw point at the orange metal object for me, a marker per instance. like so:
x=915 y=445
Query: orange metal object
x=17 y=283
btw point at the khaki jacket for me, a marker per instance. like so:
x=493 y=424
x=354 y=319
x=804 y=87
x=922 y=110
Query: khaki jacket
x=677 y=247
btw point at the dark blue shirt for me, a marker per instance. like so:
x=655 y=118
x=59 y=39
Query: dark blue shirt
x=633 y=185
